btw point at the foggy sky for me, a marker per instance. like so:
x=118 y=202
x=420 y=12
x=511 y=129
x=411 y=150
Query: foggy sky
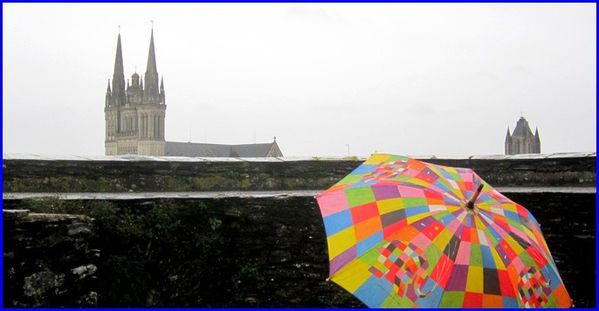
x=413 y=79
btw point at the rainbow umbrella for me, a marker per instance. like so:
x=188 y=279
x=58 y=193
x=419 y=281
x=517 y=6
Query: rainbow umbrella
x=406 y=233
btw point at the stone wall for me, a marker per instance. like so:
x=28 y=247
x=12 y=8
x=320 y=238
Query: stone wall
x=227 y=252
x=139 y=174
x=48 y=260
x=236 y=251
x=210 y=253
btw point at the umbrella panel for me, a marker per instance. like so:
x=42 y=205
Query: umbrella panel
x=399 y=236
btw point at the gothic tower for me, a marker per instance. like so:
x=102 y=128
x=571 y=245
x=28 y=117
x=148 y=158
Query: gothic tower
x=135 y=114
x=115 y=98
x=522 y=140
x=152 y=110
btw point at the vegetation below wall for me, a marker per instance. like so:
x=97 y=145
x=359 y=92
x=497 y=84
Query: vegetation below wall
x=220 y=252
x=162 y=176
x=209 y=253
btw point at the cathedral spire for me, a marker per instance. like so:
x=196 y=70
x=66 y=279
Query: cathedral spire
x=162 y=99
x=108 y=94
x=508 y=141
x=537 y=142
x=522 y=140
x=151 y=68
x=118 y=61
x=118 y=77
x=151 y=91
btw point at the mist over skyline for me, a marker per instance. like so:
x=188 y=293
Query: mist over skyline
x=414 y=79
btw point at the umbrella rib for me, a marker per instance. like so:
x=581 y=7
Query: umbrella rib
x=506 y=236
x=489 y=222
x=432 y=188
x=457 y=192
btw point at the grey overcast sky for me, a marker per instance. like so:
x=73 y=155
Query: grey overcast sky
x=415 y=79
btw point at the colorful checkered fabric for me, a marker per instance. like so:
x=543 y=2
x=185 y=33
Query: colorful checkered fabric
x=399 y=234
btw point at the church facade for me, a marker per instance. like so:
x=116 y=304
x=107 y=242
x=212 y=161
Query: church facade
x=522 y=139
x=135 y=114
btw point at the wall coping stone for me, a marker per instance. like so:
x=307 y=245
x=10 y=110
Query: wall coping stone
x=238 y=194
x=32 y=156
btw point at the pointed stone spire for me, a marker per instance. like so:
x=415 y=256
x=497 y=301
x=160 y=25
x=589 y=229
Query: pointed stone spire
x=118 y=61
x=151 y=91
x=108 y=94
x=537 y=143
x=118 y=77
x=151 y=67
x=508 y=142
x=162 y=96
x=522 y=139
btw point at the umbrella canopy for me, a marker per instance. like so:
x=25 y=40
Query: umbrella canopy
x=406 y=233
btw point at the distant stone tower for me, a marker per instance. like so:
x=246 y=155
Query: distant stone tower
x=522 y=140
x=135 y=115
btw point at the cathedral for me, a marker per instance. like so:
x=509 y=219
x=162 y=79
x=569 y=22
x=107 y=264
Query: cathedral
x=135 y=112
x=522 y=140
